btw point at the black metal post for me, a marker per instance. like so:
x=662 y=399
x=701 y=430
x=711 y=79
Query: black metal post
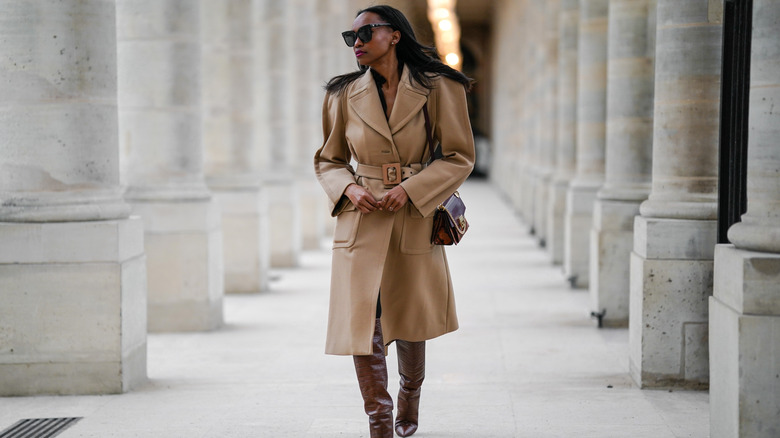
x=735 y=91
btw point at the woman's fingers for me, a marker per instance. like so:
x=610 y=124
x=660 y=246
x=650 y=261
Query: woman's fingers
x=361 y=198
x=368 y=202
x=394 y=200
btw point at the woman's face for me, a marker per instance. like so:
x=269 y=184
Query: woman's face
x=381 y=43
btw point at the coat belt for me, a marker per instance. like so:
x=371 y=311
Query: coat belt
x=375 y=172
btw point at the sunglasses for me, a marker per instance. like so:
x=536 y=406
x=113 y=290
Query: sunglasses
x=364 y=33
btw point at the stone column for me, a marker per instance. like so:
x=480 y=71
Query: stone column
x=534 y=113
x=160 y=132
x=628 y=155
x=228 y=141
x=566 y=141
x=72 y=267
x=504 y=109
x=527 y=163
x=530 y=65
x=336 y=59
x=548 y=78
x=510 y=112
x=745 y=309
x=674 y=238
x=591 y=139
x=307 y=122
x=276 y=116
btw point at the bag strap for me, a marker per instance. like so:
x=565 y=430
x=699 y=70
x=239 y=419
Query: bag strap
x=428 y=132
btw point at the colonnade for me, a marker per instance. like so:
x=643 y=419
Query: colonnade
x=636 y=160
x=156 y=155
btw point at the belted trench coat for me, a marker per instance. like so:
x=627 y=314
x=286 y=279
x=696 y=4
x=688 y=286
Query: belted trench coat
x=391 y=251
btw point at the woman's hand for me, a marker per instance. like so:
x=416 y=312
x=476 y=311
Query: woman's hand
x=394 y=200
x=361 y=198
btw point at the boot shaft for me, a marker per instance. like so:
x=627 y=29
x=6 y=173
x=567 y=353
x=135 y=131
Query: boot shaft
x=371 y=373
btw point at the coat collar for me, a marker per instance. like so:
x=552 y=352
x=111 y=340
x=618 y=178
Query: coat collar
x=409 y=100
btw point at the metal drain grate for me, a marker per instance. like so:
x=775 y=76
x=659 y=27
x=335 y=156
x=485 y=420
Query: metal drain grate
x=38 y=427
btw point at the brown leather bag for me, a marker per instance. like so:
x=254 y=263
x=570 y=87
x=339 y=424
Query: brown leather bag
x=449 y=221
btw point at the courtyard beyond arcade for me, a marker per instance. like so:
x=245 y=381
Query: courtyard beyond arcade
x=527 y=361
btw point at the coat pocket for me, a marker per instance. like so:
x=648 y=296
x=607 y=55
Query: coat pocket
x=346 y=229
x=416 y=234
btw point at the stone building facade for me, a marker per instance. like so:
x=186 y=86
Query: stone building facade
x=156 y=154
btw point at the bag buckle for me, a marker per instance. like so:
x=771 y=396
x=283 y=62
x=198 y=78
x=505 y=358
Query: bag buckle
x=391 y=174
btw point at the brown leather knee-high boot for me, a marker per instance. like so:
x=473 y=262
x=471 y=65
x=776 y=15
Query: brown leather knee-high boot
x=411 y=367
x=372 y=378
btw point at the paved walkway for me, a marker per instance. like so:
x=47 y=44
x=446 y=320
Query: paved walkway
x=527 y=362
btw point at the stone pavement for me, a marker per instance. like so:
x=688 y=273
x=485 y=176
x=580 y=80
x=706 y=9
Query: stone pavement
x=527 y=361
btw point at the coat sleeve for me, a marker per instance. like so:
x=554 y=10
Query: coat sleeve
x=451 y=126
x=331 y=161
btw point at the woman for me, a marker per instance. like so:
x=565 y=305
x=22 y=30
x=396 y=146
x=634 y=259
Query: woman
x=388 y=282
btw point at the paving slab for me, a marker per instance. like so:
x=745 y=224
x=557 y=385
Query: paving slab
x=527 y=361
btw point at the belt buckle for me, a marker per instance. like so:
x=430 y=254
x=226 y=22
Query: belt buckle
x=391 y=174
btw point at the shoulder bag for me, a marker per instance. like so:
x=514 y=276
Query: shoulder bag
x=449 y=220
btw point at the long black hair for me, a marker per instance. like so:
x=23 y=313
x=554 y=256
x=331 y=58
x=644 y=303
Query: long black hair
x=423 y=61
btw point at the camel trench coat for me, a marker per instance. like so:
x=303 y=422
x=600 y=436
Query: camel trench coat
x=391 y=251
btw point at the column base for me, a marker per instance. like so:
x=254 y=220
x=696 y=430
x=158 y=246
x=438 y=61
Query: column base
x=285 y=223
x=528 y=197
x=245 y=239
x=556 y=221
x=184 y=263
x=611 y=243
x=670 y=284
x=578 y=222
x=516 y=186
x=542 y=195
x=73 y=319
x=745 y=325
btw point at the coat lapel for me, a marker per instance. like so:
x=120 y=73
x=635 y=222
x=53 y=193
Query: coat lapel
x=409 y=101
x=364 y=99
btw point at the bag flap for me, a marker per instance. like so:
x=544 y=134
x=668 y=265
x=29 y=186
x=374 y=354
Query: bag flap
x=454 y=205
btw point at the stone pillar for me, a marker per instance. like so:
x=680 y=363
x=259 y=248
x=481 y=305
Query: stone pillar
x=512 y=28
x=72 y=267
x=566 y=141
x=276 y=119
x=529 y=162
x=160 y=133
x=505 y=107
x=628 y=155
x=531 y=64
x=548 y=89
x=674 y=238
x=591 y=139
x=228 y=141
x=306 y=125
x=744 y=318
x=334 y=16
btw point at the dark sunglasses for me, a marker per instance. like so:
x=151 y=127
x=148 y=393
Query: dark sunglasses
x=364 y=33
